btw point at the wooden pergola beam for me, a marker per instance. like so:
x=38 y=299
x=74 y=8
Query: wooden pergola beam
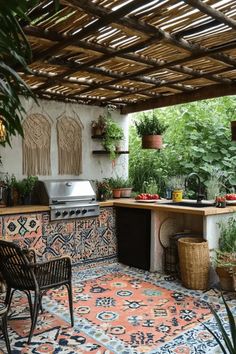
x=171 y=100
x=215 y=14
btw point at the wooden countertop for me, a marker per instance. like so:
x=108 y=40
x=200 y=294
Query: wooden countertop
x=19 y=209
x=127 y=203
x=131 y=203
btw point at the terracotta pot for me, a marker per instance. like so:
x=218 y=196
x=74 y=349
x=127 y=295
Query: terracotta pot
x=126 y=192
x=116 y=193
x=152 y=142
x=226 y=279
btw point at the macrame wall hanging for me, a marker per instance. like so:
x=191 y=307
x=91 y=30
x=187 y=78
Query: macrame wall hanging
x=36 y=145
x=69 y=143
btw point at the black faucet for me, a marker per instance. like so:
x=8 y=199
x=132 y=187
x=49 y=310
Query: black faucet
x=200 y=196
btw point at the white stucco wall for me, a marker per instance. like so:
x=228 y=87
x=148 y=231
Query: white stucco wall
x=94 y=166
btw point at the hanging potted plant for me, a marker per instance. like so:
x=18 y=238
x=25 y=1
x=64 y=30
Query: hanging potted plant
x=149 y=128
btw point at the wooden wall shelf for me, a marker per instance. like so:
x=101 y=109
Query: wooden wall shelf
x=104 y=152
x=98 y=136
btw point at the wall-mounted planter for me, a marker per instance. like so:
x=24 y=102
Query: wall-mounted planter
x=152 y=142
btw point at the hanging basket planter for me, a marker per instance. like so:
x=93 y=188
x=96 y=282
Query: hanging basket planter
x=233 y=130
x=152 y=142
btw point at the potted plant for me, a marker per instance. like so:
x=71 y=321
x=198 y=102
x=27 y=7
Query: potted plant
x=25 y=188
x=116 y=185
x=98 y=126
x=103 y=190
x=126 y=188
x=149 y=128
x=113 y=135
x=10 y=185
x=226 y=254
x=176 y=185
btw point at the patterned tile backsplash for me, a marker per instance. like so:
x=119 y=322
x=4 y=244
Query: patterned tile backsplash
x=84 y=240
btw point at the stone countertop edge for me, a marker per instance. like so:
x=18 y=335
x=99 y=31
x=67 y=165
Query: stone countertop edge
x=127 y=203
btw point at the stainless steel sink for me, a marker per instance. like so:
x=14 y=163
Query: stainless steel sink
x=190 y=204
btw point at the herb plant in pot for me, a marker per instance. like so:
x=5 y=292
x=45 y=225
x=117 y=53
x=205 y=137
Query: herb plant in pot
x=149 y=128
x=127 y=186
x=226 y=254
x=116 y=185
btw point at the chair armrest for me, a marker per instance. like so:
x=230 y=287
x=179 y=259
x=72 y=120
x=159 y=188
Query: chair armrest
x=55 y=271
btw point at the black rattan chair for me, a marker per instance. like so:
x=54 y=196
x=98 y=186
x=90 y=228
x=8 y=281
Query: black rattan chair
x=21 y=272
x=3 y=318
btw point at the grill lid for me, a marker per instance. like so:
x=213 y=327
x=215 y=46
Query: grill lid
x=63 y=191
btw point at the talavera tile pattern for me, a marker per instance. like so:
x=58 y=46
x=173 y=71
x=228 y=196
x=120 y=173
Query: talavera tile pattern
x=84 y=240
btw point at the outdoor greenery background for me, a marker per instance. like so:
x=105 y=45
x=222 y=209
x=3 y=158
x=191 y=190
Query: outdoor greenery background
x=197 y=139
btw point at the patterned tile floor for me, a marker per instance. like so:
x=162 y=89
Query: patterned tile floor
x=119 y=310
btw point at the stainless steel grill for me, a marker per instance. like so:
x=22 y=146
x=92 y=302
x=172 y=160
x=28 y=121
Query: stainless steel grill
x=68 y=198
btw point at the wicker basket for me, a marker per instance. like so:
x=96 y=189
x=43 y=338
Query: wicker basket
x=194 y=261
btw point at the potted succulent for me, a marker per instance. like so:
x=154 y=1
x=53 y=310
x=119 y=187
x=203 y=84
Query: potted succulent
x=226 y=254
x=112 y=136
x=149 y=128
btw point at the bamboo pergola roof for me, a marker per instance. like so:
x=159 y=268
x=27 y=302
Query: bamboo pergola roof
x=134 y=55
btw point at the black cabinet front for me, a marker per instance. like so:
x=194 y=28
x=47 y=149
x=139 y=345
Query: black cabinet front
x=134 y=236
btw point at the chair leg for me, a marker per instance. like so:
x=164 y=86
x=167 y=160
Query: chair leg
x=5 y=333
x=35 y=315
x=8 y=298
x=30 y=303
x=69 y=289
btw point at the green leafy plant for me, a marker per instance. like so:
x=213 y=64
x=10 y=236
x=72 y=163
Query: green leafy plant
x=15 y=51
x=127 y=183
x=112 y=136
x=150 y=186
x=225 y=256
x=198 y=137
x=228 y=342
x=26 y=186
x=149 y=125
x=227 y=240
x=103 y=189
x=176 y=182
x=116 y=182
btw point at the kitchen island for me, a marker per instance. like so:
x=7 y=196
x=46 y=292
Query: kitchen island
x=94 y=239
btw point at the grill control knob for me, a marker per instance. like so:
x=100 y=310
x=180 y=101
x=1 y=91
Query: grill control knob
x=65 y=213
x=84 y=211
x=72 y=212
x=77 y=212
x=57 y=214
